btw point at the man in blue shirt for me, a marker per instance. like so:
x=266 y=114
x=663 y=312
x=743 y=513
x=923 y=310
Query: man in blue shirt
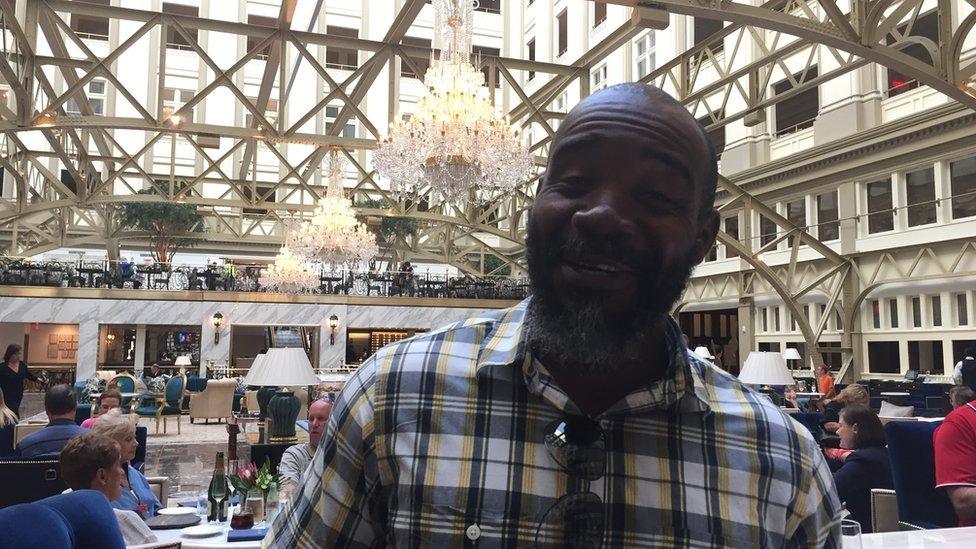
x=59 y=403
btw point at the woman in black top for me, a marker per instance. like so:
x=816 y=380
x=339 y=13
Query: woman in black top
x=864 y=466
x=12 y=375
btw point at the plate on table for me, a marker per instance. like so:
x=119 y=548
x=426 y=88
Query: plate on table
x=202 y=531
x=177 y=511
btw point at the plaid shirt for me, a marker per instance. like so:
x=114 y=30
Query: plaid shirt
x=437 y=441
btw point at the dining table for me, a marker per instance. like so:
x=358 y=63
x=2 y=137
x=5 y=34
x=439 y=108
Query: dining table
x=218 y=539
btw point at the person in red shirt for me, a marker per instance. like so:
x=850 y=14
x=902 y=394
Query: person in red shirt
x=825 y=382
x=955 y=461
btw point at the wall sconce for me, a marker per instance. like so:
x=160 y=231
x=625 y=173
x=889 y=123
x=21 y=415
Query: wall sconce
x=109 y=337
x=334 y=325
x=217 y=321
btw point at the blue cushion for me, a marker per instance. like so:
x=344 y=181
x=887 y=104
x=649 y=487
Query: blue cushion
x=34 y=526
x=82 y=412
x=913 y=472
x=79 y=388
x=125 y=384
x=91 y=518
x=196 y=383
x=146 y=410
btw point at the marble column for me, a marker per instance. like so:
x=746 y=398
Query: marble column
x=87 y=349
x=333 y=355
x=139 y=360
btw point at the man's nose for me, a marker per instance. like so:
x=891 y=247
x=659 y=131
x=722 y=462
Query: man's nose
x=604 y=215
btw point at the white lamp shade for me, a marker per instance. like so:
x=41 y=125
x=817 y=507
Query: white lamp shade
x=765 y=368
x=182 y=360
x=703 y=352
x=791 y=354
x=281 y=366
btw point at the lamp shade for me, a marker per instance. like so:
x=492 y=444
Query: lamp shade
x=282 y=366
x=791 y=354
x=765 y=368
x=702 y=351
x=182 y=360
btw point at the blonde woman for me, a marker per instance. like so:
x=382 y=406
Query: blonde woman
x=136 y=494
x=850 y=395
x=7 y=421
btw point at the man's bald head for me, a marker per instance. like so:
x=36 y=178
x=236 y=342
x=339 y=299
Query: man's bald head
x=655 y=112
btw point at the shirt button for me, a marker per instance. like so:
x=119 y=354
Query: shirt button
x=473 y=532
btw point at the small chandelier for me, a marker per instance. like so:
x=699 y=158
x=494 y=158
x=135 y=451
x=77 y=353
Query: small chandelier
x=454 y=142
x=290 y=273
x=334 y=236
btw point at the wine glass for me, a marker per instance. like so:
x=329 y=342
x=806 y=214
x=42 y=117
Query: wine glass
x=232 y=468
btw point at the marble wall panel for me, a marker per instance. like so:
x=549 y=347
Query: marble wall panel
x=90 y=313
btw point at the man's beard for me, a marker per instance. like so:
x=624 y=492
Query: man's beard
x=575 y=328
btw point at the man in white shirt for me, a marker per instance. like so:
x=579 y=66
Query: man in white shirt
x=296 y=459
x=957 y=371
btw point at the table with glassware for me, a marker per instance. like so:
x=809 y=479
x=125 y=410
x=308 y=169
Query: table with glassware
x=200 y=533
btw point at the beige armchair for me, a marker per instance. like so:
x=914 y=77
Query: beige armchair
x=160 y=487
x=216 y=401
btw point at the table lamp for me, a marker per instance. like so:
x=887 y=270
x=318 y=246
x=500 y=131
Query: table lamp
x=765 y=368
x=183 y=361
x=703 y=352
x=791 y=354
x=265 y=392
x=283 y=367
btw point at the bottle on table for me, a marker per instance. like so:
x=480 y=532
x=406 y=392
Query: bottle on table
x=217 y=492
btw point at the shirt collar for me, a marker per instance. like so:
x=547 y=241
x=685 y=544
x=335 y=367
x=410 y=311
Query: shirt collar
x=682 y=386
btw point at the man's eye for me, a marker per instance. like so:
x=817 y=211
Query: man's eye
x=570 y=184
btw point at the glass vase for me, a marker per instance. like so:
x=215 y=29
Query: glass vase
x=255 y=504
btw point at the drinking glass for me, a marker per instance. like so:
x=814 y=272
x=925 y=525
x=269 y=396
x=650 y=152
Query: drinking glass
x=202 y=504
x=255 y=504
x=232 y=465
x=850 y=531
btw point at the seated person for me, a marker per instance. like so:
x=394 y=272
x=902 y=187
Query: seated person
x=861 y=463
x=8 y=419
x=109 y=400
x=955 y=461
x=93 y=461
x=960 y=395
x=136 y=494
x=296 y=459
x=850 y=395
x=59 y=404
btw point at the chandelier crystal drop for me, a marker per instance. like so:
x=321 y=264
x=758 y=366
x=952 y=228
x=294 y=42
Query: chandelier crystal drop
x=455 y=141
x=333 y=236
x=290 y=273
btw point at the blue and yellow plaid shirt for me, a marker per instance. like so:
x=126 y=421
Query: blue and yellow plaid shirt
x=437 y=441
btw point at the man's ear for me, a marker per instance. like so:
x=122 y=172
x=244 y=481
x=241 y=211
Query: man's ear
x=705 y=239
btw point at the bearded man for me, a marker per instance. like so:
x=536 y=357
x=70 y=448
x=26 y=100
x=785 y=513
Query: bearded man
x=576 y=418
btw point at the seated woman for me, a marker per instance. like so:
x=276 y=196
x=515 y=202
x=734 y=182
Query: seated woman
x=109 y=400
x=861 y=463
x=136 y=493
x=93 y=461
x=8 y=419
x=849 y=396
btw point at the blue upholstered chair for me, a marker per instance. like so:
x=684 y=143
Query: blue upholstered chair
x=82 y=519
x=912 y=452
x=810 y=420
x=124 y=383
x=167 y=404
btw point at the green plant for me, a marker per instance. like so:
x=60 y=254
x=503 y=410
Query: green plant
x=250 y=477
x=392 y=227
x=167 y=224
x=494 y=265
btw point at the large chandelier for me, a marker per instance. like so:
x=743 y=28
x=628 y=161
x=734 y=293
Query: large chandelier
x=454 y=142
x=290 y=273
x=334 y=236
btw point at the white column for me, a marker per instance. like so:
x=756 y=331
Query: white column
x=139 y=362
x=87 y=349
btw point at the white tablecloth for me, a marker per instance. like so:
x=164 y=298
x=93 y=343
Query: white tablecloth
x=946 y=538
x=205 y=543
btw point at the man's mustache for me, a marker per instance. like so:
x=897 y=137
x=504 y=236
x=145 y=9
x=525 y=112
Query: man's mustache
x=612 y=249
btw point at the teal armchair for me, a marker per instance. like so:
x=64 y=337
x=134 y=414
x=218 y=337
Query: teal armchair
x=124 y=383
x=167 y=404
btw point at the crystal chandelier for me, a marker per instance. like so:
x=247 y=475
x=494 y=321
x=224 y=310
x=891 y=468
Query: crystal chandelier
x=290 y=273
x=454 y=142
x=334 y=236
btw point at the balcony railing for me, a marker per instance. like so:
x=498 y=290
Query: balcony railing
x=246 y=278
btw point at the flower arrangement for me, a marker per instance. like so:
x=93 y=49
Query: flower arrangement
x=251 y=478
